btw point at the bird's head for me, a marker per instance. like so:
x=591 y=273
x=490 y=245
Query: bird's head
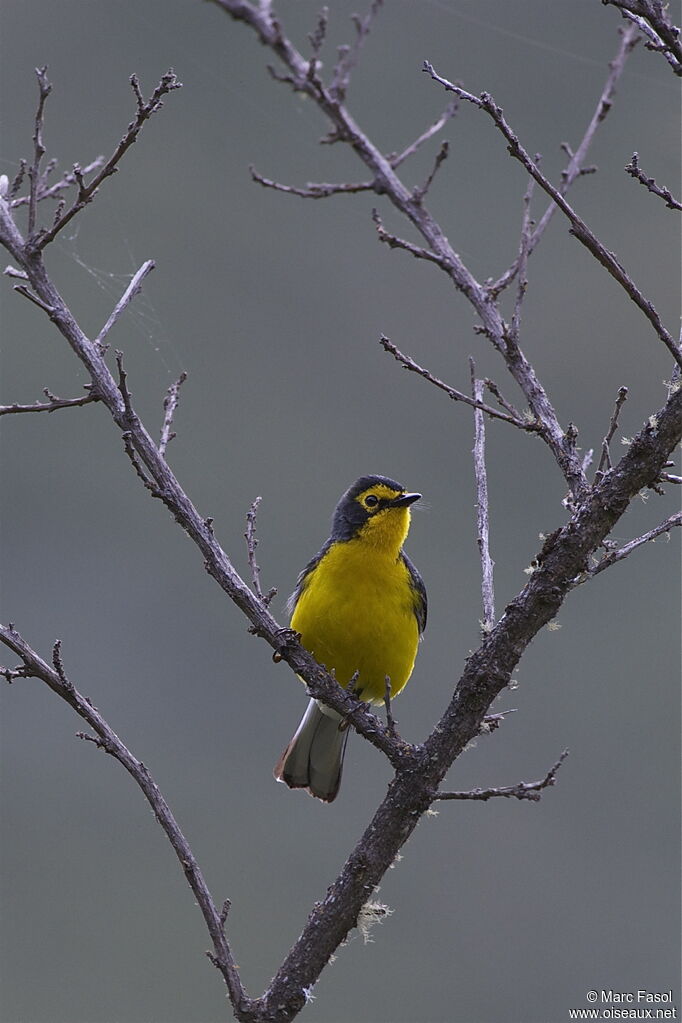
x=376 y=511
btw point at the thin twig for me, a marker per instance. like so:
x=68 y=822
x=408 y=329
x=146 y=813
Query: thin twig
x=123 y=388
x=348 y=55
x=622 y=552
x=66 y=181
x=11 y=271
x=390 y=720
x=18 y=179
x=313 y=190
x=522 y=259
x=317 y=37
x=523 y=790
x=448 y=113
x=52 y=405
x=483 y=525
x=452 y=392
x=124 y=301
x=107 y=739
x=493 y=721
x=635 y=171
x=605 y=460
x=9 y=674
x=419 y=193
x=394 y=242
x=44 y=90
x=495 y=391
x=251 y=544
x=135 y=462
x=170 y=403
x=21 y=289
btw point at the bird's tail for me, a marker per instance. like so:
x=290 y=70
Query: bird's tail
x=314 y=758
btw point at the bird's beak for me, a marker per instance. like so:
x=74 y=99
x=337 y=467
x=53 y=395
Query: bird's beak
x=404 y=500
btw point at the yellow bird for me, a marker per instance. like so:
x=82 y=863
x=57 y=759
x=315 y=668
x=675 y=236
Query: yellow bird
x=360 y=609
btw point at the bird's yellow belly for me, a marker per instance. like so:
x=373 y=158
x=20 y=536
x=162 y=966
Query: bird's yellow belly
x=357 y=614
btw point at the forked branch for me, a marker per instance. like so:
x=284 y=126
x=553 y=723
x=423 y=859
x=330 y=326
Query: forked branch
x=86 y=192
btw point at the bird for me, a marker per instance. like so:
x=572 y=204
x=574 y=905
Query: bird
x=360 y=609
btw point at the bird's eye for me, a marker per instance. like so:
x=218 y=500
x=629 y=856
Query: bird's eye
x=371 y=501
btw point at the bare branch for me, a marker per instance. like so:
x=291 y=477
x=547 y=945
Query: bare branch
x=419 y=193
x=21 y=289
x=139 y=470
x=313 y=190
x=59 y=664
x=635 y=171
x=493 y=721
x=522 y=259
x=11 y=271
x=170 y=403
x=578 y=227
x=622 y=552
x=126 y=298
x=399 y=243
x=487 y=585
x=18 y=179
x=348 y=55
x=9 y=674
x=495 y=391
x=55 y=678
x=651 y=18
x=390 y=720
x=456 y=395
x=123 y=390
x=66 y=181
x=51 y=405
x=86 y=193
x=251 y=544
x=317 y=37
x=605 y=460
x=447 y=114
x=44 y=90
x=523 y=790
x=322 y=190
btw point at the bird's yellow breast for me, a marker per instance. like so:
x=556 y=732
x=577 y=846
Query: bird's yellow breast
x=356 y=612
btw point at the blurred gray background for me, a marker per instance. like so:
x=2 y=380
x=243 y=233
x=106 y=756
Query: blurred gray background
x=504 y=912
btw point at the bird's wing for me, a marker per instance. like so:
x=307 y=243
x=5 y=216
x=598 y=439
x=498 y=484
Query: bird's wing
x=304 y=577
x=419 y=592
